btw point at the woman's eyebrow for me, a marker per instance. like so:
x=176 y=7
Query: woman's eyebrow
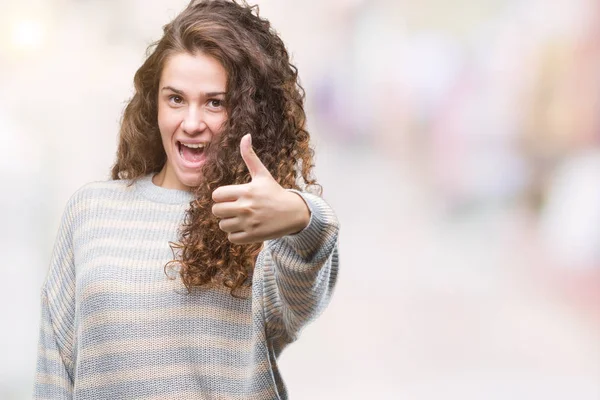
x=181 y=92
x=172 y=89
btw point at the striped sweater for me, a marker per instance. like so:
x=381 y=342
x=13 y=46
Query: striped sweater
x=115 y=326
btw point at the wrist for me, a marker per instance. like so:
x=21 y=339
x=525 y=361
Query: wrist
x=300 y=215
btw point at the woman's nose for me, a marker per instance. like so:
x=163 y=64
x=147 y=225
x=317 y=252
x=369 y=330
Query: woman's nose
x=193 y=122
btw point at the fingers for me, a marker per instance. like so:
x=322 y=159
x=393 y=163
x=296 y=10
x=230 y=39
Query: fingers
x=240 y=238
x=230 y=225
x=229 y=193
x=255 y=166
x=227 y=209
x=235 y=233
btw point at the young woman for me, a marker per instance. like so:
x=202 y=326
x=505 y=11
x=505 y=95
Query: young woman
x=187 y=274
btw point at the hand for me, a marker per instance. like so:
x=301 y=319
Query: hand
x=259 y=210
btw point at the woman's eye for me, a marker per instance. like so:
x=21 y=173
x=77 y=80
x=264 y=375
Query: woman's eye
x=215 y=103
x=175 y=99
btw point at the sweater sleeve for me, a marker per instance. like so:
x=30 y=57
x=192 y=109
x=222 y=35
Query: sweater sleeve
x=300 y=272
x=54 y=371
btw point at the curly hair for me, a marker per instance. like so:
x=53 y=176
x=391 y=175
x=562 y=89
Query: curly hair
x=263 y=97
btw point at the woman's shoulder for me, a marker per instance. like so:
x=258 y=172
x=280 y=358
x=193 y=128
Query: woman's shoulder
x=98 y=191
x=112 y=185
x=96 y=188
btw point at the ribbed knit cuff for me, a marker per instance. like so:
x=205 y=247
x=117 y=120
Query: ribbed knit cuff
x=319 y=225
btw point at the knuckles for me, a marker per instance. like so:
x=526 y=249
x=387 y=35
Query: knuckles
x=254 y=224
x=245 y=209
x=248 y=191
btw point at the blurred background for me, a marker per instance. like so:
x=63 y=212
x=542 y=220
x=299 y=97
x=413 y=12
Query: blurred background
x=459 y=143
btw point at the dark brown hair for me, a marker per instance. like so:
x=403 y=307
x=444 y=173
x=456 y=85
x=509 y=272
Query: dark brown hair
x=263 y=97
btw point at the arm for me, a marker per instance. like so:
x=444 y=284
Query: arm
x=300 y=272
x=300 y=260
x=54 y=372
x=53 y=376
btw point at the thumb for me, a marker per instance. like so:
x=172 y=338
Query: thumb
x=255 y=166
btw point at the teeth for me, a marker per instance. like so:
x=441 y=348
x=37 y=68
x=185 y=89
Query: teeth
x=193 y=145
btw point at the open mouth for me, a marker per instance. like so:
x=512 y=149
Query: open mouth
x=191 y=153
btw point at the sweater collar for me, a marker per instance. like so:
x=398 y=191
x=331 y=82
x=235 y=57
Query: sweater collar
x=159 y=194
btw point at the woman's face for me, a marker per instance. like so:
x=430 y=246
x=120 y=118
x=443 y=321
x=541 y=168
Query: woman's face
x=191 y=113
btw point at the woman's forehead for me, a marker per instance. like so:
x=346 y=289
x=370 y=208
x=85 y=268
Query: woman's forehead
x=194 y=72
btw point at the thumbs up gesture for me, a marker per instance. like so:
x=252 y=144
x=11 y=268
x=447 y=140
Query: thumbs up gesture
x=259 y=210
